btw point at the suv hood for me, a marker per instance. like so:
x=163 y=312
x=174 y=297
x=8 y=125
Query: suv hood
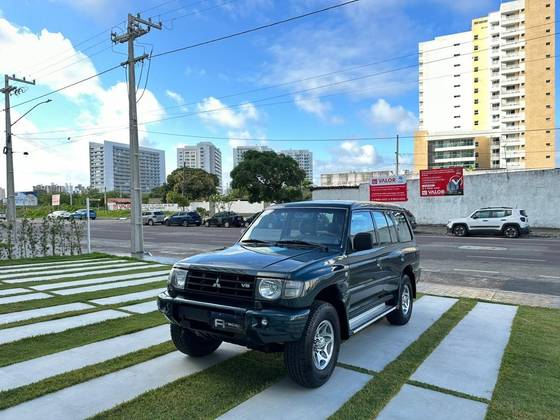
x=252 y=259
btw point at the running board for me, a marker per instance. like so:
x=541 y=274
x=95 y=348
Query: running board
x=367 y=318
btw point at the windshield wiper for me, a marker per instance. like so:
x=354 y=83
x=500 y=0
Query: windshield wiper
x=303 y=243
x=256 y=242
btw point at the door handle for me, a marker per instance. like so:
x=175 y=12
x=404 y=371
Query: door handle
x=484 y=220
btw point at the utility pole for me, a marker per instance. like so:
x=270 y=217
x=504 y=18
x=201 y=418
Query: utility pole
x=135 y=29
x=397 y=157
x=8 y=151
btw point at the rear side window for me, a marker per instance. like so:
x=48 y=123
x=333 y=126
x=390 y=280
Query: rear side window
x=392 y=228
x=501 y=213
x=362 y=223
x=402 y=227
x=381 y=227
x=523 y=213
x=158 y=213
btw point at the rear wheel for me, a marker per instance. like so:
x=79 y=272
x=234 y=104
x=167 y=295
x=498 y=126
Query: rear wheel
x=191 y=343
x=227 y=225
x=185 y=223
x=207 y=224
x=460 y=230
x=402 y=314
x=150 y=222
x=511 y=232
x=311 y=360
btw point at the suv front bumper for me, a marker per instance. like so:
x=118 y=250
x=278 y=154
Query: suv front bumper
x=248 y=327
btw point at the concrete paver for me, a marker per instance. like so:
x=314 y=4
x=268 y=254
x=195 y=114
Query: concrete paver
x=23 y=298
x=128 y=297
x=36 y=313
x=83 y=273
x=24 y=271
x=381 y=343
x=412 y=403
x=7 y=335
x=5 y=268
x=469 y=357
x=108 y=286
x=100 y=394
x=99 y=280
x=287 y=400
x=9 y=292
x=24 y=373
x=141 y=308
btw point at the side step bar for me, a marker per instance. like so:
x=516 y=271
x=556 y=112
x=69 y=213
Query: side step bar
x=367 y=318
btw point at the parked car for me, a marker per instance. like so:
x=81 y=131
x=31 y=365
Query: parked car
x=247 y=222
x=505 y=221
x=184 y=218
x=2 y=216
x=82 y=214
x=153 y=217
x=60 y=214
x=411 y=219
x=303 y=277
x=225 y=219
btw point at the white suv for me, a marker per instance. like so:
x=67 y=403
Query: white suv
x=503 y=220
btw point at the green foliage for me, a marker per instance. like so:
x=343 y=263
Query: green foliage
x=179 y=199
x=268 y=177
x=203 y=212
x=196 y=184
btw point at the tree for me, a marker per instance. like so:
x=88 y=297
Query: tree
x=196 y=184
x=268 y=177
x=179 y=199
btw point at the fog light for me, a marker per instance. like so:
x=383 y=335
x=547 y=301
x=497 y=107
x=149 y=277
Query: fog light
x=264 y=322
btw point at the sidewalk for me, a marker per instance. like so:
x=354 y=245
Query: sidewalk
x=441 y=230
x=492 y=295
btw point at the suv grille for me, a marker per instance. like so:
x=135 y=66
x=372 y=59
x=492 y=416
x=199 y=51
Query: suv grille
x=216 y=283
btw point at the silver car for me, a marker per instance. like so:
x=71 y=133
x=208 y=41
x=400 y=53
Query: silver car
x=152 y=217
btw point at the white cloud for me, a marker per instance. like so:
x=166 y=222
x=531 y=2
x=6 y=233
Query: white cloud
x=175 y=97
x=214 y=112
x=383 y=113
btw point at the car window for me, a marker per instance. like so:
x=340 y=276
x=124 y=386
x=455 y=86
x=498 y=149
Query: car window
x=483 y=214
x=361 y=222
x=523 y=213
x=158 y=213
x=496 y=214
x=193 y=214
x=381 y=227
x=392 y=228
x=402 y=227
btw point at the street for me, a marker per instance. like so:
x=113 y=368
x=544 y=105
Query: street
x=528 y=264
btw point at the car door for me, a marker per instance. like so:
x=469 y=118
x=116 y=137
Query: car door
x=365 y=282
x=480 y=221
x=390 y=256
x=499 y=217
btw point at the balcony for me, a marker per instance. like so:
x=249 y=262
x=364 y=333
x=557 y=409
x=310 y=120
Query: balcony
x=508 y=106
x=511 y=20
x=515 y=42
x=512 y=93
x=513 y=117
x=511 y=57
x=513 y=68
x=513 y=31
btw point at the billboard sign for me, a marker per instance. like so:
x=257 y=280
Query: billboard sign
x=26 y=199
x=388 y=189
x=55 y=200
x=440 y=182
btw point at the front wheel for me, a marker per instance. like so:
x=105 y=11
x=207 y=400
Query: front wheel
x=511 y=232
x=192 y=344
x=207 y=224
x=460 y=230
x=227 y=225
x=311 y=360
x=185 y=223
x=150 y=222
x=402 y=314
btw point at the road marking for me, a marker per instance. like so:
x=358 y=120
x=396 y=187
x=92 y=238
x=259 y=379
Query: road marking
x=483 y=248
x=476 y=271
x=550 y=277
x=505 y=258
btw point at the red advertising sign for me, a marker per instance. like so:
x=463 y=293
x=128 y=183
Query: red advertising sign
x=388 y=189
x=440 y=182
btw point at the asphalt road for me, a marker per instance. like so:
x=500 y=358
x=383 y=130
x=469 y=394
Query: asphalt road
x=528 y=264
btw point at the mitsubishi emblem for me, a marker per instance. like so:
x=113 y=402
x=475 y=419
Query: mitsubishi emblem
x=217 y=283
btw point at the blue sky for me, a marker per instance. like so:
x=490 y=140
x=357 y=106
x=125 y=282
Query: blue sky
x=42 y=37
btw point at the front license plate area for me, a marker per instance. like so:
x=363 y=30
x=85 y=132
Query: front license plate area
x=226 y=322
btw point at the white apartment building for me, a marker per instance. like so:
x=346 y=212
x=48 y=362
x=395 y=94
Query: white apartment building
x=486 y=96
x=343 y=179
x=109 y=167
x=204 y=155
x=304 y=158
x=239 y=152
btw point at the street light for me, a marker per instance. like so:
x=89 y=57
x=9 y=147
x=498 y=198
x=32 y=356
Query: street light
x=31 y=109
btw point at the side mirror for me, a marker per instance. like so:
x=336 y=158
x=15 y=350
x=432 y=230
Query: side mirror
x=362 y=242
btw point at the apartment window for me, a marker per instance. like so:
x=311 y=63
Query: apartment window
x=548 y=144
x=456 y=55
x=548 y=18
x=547 y=93
x=476 y=123
x=476 y=79
x=548 y=156
x=457 y=96
x=457 y=126
x=456 y=116
x=456 y=65
x=476 y=112
x=476 y=90
x=457 y=106
x=547 y=5
x=456 y=86
x=456 y=45
x=456 y=75
x=476 y=58
x=476 y=101
x=548 y=81
x=476 y=69
x=548 y=69
x=548 y=31
x=548 y=43
x=476 y=47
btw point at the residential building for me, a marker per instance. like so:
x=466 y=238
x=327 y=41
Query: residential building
x=486 y=96
x=352 y=178
x=109 y=167
x=2 y=194
x=52 y=188
x=239 y=152
x=304 y=158
x=203 y=155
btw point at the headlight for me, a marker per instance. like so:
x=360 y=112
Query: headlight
x=177 y=278
x=270 y=289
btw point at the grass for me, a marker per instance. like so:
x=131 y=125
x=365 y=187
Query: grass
x=60 y=258
x=529 y=382
x=206 y=394
x=64 y=380
x=370 y=400
x=32 y=347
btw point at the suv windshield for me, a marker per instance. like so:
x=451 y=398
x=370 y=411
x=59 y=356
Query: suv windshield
x=310 y=225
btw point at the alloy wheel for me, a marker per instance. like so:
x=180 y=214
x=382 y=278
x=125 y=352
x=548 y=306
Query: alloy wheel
x=323 y=345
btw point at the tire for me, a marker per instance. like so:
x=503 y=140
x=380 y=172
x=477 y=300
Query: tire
x=511 y=232
x=460 y=230
x=227 y=225
x=207 y=224
x=150 y=222
x=192 y=344
x=185 y=223
x=300 y=358
x=402 y=314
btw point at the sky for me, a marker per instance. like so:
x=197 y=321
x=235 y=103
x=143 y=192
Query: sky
x=259 y=88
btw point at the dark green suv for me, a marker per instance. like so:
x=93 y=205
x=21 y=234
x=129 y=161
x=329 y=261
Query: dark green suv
x=302 y=278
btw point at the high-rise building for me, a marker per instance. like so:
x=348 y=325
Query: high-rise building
x=109 y=167
x=239 y=152
x=486 y=96
x=304 y=158
x=352 y=178
x=203 y=155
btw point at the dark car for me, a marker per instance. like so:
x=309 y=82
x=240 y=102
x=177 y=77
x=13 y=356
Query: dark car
x=411 y=219
x=303 y=277
x=225 y=219
x=184 y=218
x=82 y=214
x=247 y=221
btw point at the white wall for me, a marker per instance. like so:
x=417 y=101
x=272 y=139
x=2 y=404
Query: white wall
x=536 y=191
